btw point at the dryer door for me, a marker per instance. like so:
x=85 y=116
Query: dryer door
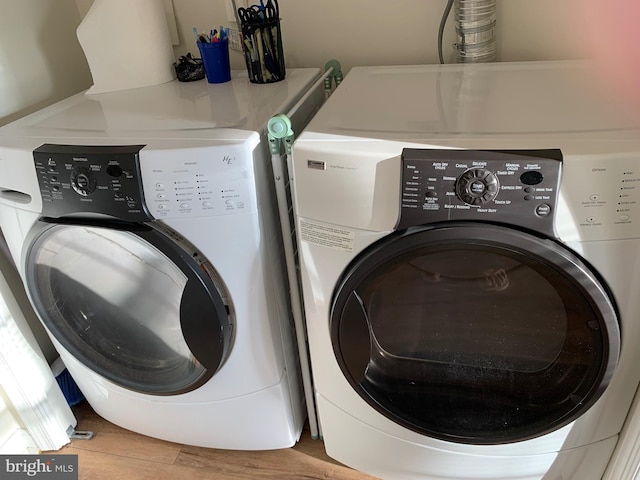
x=132 y=304
x=475 y=333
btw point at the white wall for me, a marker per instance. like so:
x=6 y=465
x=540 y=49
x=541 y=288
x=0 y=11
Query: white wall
x=375 y=32
x=40 y=58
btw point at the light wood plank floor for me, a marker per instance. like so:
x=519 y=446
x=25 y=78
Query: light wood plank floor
x=115 y=453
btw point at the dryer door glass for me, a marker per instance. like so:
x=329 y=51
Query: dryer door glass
x=475 y=333
x=130 y=305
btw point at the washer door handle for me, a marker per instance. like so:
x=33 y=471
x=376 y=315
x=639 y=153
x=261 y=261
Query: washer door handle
x=203 y=329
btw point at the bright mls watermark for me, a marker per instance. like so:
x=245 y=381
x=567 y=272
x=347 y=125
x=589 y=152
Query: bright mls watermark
x=50 y=467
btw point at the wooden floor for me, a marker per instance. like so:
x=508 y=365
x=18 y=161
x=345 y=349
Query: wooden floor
x=118 y=454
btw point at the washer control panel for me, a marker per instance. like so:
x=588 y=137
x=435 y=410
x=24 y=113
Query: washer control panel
x=507 y=186
x=199 y=181
x=102 y=180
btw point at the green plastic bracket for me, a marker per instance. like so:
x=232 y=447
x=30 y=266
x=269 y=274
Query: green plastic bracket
x=335 y=75
x=279 y=128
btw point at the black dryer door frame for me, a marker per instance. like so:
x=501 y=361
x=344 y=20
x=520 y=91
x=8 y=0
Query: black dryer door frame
x=135 y=304
x=475 y=333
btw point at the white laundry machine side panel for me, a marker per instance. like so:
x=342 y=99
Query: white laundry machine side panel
x=209 y=196
x=232 y=246
x=15 y=224
x=18 y=181
x=20 y=199
x=227 y=186
x=256 y=421
x=13 y=235
x=273 y=258
x=354 y=183
x=599 y=194
x=618 y=262
x=597 y=216
x=406 y=460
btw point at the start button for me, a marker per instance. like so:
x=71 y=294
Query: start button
x=543 y=209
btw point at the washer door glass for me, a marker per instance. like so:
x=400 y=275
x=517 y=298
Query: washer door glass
x=475 y=333
x=130 y=304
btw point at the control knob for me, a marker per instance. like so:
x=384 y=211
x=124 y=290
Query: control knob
x=477 y=186
x=83 y=181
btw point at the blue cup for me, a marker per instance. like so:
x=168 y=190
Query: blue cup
x=215 y=57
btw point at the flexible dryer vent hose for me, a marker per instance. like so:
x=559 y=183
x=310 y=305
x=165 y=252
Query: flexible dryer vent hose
x=475 y=22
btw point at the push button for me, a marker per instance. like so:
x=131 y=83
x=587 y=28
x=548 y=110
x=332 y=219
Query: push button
x=543 y=210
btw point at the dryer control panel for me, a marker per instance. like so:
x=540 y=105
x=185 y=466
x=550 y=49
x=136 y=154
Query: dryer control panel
x=516 y=187
x=91 y=180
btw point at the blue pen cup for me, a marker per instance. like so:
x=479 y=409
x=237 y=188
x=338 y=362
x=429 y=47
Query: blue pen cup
x=215 y=57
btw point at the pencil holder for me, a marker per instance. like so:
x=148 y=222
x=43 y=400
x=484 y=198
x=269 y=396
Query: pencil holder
x=215 y=57
x=263 y=53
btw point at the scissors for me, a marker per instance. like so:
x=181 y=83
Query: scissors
x=267 y=12
x=248 y=15
x=272 y=10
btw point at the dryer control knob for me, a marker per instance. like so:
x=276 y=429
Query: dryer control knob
x=83 y=181
x=477 y=186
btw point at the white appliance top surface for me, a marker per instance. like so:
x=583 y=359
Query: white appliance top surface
x=415 y=102
x=170 y=110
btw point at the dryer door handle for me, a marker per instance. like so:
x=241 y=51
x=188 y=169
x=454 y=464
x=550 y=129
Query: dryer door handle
x=355 y=337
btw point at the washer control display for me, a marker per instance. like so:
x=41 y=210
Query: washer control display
x=89 y=180
x=515 y=187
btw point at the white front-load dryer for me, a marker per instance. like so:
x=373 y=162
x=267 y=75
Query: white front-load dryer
x=469 y=244
x=145 y=227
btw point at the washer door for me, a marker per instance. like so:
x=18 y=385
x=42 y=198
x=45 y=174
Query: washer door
x=475 y=333
x=135 y=306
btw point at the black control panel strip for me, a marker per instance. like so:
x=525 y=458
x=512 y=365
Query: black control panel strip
x=91 y=180
x=518 y=187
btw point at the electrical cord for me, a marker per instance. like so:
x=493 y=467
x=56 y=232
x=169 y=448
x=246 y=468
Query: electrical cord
x=443 y=22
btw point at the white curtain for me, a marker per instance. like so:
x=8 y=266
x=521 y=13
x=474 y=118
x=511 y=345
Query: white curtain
x=14 y=438
x=28 y=390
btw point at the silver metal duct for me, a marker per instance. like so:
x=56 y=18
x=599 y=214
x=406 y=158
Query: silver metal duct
x=475 y=22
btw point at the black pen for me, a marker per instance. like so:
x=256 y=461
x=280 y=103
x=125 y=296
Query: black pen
x=248 y=58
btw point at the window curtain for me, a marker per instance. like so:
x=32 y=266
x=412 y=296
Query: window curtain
x=28 y=387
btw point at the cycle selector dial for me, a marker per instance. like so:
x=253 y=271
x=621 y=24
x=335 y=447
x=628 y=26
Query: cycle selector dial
x=83 y=181
x=477 y=186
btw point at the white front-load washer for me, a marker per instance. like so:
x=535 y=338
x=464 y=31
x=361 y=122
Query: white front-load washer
x=145 y=228
x=469 y=244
